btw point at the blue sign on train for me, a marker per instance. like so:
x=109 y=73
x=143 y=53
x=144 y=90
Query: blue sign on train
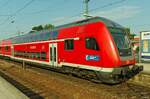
x=92 y=57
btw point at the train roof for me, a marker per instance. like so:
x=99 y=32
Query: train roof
x=107 y=22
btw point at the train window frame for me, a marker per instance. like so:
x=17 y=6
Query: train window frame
x=69 y=44
x=43 y=55
x=41 y=37
x=38 y=55
x=45 y=36
x=48 y=35
x=89 y=43
x=6 y=48
x=54 y=34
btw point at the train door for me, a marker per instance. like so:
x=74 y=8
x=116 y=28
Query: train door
x=53 y=54
x=12 y=50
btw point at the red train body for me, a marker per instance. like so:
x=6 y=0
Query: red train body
x=95 y=46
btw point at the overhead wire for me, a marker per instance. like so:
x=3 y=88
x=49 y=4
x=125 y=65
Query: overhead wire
x=108 y=5
x=68 y=17
x=18 y=11
x=92 y=10
x=75 y=15
x=44 y=10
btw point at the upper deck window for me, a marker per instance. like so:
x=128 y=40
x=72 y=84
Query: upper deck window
x=43 y=55
x=69 y=44
x=91 y=43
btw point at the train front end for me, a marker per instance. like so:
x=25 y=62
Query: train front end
x=118 y=57
x=126 y=67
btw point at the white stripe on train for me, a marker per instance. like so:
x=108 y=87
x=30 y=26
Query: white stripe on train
x=59 y=40
x=66 y=64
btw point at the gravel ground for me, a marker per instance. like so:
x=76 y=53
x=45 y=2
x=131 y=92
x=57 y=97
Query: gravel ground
x=52 y=85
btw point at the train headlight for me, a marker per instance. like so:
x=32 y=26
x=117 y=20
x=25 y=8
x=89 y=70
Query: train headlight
x=130 y=67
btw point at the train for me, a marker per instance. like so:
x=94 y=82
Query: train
x=95 y=48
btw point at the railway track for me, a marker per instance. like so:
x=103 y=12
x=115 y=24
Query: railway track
x=38 y=83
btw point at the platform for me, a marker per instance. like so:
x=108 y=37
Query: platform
x=146 y=67
x=8 y=91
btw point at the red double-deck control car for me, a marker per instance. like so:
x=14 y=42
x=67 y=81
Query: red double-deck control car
x=94 y=48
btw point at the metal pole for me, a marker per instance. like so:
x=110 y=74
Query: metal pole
x=140 y=50
x=86 y=10
x=23 y=64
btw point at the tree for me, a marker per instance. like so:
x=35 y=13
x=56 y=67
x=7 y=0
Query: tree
x=32 y=31
x=37 y=28
x=40 y=27
x=48 y=26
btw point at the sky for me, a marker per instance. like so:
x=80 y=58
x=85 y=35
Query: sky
x=21 y=15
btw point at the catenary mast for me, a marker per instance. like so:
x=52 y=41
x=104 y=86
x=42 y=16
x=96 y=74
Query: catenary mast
x=86 y=10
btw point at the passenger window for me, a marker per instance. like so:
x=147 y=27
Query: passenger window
x=91 y=43
x=43 y=55
x=69 y=44
x=37 y=55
